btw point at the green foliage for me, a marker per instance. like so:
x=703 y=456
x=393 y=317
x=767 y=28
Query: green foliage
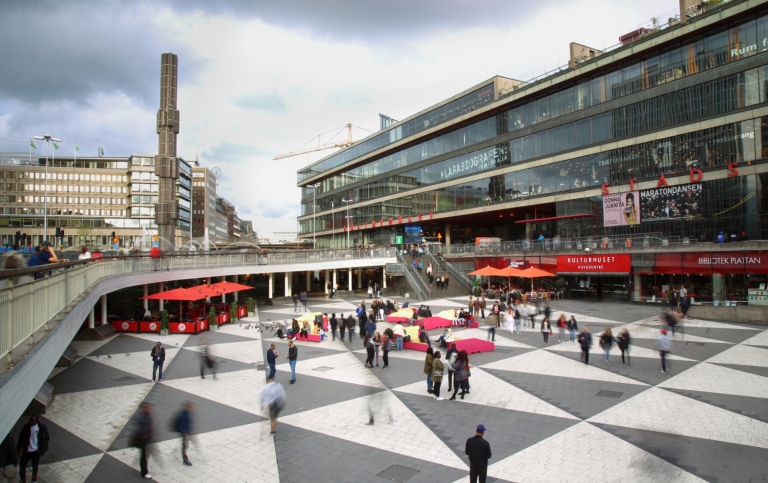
x=164 y=317
x=251 y=305
x=212 y=317
x=233 y=312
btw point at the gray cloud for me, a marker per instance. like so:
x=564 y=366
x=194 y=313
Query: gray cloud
x=272 y=102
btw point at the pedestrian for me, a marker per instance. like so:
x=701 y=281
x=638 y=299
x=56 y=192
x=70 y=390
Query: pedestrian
x=491 y=321
x=207 y=359
x=350 y=327
x=428 y=369
x=342 y=326
x=293 y=354
x=9 y=461
x=295 y=303
x=561 y=325
x=184 y=427
x=303 y=298
x=334 y=323
x=479 y=452
x=523 y=309
x=483 y=305
x=664 y=346
x=516 y=316
x=370 y=291
x=450 y=358
x=606 y=343
x=623 y=341
x=273 y=398
x=370 y=326
x=546 y=329
x=142 y=437
x=460 y=376
x=386 y=345
x=476 y=306
x=572 y=328
x=585 y=341
x=437 y=374
x=158 y=359
x=271 y=358
x=368 y=344
x=377 y=346
x=672 y=318
x=32 y=444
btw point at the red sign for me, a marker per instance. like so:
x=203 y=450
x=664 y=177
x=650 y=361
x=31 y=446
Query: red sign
x=621 y=263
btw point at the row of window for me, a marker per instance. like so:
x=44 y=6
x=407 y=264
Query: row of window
x=53 y=212
x=711 y=98
x=713 y=51
x=102 y=178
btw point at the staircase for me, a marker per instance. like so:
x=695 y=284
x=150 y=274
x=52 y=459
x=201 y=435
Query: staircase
x=455 y=287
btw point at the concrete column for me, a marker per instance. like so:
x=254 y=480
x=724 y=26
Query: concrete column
x=349 y=279
x=92 y=318
x=447 y=235
x=637 y=288
x=718 y=287
x=309 y=279
x=104 y=309
x=270 y=285
x=236 y=279
x=162 y=302
x=528 y=228
x=359 y=278
x=325 y=281
x=384 y=277
x=146 y=302
x=223 y=296
x=335 y=276
x=287 y=284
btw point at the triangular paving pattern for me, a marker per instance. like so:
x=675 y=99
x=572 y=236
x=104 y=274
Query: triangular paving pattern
x=635 y=351
x=135 y=363
x=401 y=370
x=750 y=407
x=637 y=331
x=110 y=468
x=221 y=336
x=710 y=324
x=85 y=347
x=489 y=390
x=342 y=367
x=241 y=388
x=399 y=428
x=310 y=393
x=731 y=335
x=667 y=412
x=601 y=458
x=745 y=355
x=64 y=444
x=718 y=379
x=698 y=351
x=760 y=339
x=186 y=363
x=89 y=375
x=548 y=364
x=97 y=416
x=170 y=340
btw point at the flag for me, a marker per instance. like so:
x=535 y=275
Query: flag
x=55 y=146
x=32 y=144
x=77 y=148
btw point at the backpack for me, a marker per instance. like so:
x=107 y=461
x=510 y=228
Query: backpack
x=517 y=314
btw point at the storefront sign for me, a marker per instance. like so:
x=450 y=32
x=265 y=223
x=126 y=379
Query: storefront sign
x=594 y=263
x=682 y=202
x=477 y=161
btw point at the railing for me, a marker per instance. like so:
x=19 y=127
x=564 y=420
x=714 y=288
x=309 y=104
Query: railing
x=458 y=275
x=28 y=305
x=415 y=281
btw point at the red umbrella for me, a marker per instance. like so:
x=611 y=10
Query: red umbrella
x=487 y=271
x=534 y=272
x=174 y=294
x=229 y=287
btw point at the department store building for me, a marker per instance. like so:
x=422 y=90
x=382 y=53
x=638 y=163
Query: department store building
x=662 y=138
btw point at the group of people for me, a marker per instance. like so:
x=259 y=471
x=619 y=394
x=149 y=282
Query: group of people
x=456 y=366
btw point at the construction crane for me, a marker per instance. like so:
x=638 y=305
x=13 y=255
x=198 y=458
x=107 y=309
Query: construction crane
x=321 y=147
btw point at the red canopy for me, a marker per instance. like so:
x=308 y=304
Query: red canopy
x=487 y=271
x=534 y=272
x=204 y=291
x=510 y=272
x=174 y=294
x=229 y=287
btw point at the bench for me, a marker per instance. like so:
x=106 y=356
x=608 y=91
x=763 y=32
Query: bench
x=472 y=345
x=311 y=338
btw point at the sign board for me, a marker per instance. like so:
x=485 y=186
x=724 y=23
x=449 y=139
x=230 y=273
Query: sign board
x=619 y=263
x=398 y=239
x=621 y=209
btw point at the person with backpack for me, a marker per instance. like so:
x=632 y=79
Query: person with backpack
x=273 y=398
x=184 y=427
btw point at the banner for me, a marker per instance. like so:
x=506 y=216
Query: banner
x=682 y=202
x=621 y=209
x=621 y=263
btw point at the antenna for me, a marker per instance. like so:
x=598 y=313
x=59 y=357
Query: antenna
x=216 y=172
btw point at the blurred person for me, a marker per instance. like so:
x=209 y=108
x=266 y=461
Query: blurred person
x=561 y=325
x=664 y=346
x=184 y=425
x=142 y=437
x=606 y=343
x=585 y=341
x=84 y=253
x=207 y=359
x=273 y=398
x=623 y=341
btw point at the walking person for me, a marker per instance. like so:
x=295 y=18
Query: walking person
x=572 y=328
x=623 y=342
x=368 y=344
x=437 y=374
x=561 y=325
x=273 y=398
x=585 y=341
x=293 y=354
x=606 y=343
x=351 y=327
x=303 y=298
x=143 y=437
x=158 y=359
x=664 y=346
x=377 y=346
x=386 y=344
x=206 y=358
x=32 y=444
x=295 y=303
x=428 y=369
x=334 y=324
x=184 y=427
x=516 y=315
x=450 y=358
x=483 y=305
x=479 y=452
x=460 y=376
x=271 y=360
x=342 y=326
x=546 y=329
x=9 y=461
x=491 y=321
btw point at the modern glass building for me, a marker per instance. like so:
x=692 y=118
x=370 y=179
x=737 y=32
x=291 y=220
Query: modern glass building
x=666 y=136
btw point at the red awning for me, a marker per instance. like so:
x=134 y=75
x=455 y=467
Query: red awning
x=552 y=218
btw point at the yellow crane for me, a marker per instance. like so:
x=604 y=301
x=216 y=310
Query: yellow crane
x=321 y=147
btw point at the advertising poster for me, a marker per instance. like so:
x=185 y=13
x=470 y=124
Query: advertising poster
x=621 y=209
x=683 y=202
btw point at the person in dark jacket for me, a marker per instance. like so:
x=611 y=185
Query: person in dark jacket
x=342 y=326
x=585 y=341
x=9 y=460
x=606 y=343
x=572 y=328
x=293 y=354
x=479 y=452
x=334 y=324
x=351 y=327
x=370 y=349
x=206 y=358
x=370 y=327
x=428 y=369
x=271 y=361
x=158 y=359
x=143 y=437
x=184 y=427
x=32 y=444
x=623 y=341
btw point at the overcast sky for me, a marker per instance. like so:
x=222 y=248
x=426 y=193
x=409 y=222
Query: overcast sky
x=260 y=78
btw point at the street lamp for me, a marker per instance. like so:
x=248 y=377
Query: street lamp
x=347 y=202
x=314 y=211
x=333 y=227
x=47 y=138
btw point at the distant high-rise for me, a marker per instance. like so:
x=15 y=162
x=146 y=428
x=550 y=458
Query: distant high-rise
x=166 y=163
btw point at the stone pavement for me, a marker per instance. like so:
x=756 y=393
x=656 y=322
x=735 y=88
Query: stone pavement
x=549 y=417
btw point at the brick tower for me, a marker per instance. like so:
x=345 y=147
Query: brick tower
x=166 y=164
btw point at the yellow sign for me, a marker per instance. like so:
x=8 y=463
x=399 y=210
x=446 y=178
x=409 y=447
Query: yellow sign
x=439 y=236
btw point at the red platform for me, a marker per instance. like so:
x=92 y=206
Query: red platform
x=472 y=346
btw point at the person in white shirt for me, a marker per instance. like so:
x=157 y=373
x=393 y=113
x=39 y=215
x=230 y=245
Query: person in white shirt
x=84 y=253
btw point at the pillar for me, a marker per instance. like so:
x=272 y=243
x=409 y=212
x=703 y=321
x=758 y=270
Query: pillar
x=637 y=288
x=384 y=277
x=447 y=235
x=223 y=296
x=92 y=318
x=236 y=279
x=309 y=280
x=162 y=302
x=349 y=279
x=718 y=287
x=104 y=309
x=359 y=278
x=287 y=284
x=528 y=228
x=325 y=280
x=146 y=293
x=270 y=285
x=335 y=276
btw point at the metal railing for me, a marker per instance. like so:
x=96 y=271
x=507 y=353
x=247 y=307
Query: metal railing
x=27 y=305
x=458 y=275
x=414 y=280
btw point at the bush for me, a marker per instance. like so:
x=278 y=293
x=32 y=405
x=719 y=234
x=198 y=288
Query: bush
x=233 y=312
x=164 y=317
x=212 y=317
x=251 y=305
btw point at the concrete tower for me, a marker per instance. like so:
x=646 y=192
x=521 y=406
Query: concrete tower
x=166 y=164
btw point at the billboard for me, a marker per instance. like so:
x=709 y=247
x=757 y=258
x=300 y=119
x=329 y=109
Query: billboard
x=683 y=202
x=619 y=263
x=621 y=209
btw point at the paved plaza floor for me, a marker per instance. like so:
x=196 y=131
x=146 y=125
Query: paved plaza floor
x=548 y=416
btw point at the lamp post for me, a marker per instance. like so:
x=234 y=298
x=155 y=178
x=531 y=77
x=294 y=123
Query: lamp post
x=47 y=138
x=347 y=202
x=314 y=211
x=333 y=227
